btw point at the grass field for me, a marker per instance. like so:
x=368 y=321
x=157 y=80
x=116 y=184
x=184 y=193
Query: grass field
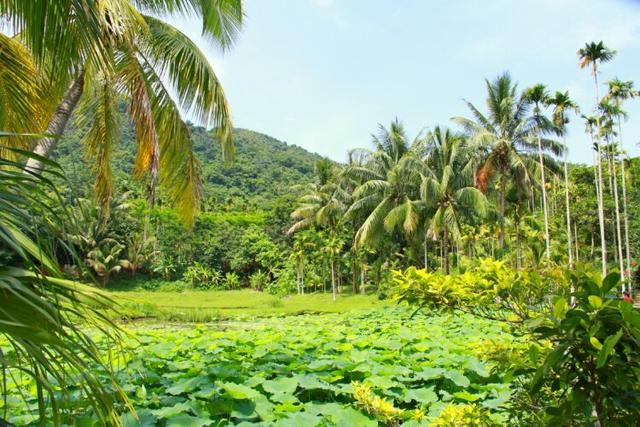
x=204 y=306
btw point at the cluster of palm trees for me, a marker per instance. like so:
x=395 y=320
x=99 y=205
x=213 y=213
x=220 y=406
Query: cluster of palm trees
x=445 y=185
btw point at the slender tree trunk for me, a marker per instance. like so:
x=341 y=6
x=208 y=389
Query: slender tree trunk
x=503 y=190
x=363 y=289
x=518 y=246
x=333 y=278
x=544 y=199
x=624 y=200
x=426 y=253
x=354 y=273
x=575 y=236
x=56 y=126
x=603 y=239
x=568 y=206
x=618 y=223
x=445 y=249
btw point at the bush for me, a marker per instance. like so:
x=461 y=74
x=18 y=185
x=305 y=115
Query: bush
x=199 y=276
x=231 y=280
x=259 y=280
x=595 y=362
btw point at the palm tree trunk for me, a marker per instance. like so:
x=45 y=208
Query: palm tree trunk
x=503 y=191
x=57 y=124
x=603 y=239
x=354 y=272
x=363 y=289
x=624 y=199
x=333 y=278
x=445 y=249
x=518 y=246
x=575 y=236
x=618 y=223
x=425 y=248
x=568 y=207
x=544 y=199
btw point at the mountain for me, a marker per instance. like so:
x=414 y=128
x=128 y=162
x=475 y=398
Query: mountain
x=265 y=168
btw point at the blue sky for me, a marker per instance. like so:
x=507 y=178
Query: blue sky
x=322 y=74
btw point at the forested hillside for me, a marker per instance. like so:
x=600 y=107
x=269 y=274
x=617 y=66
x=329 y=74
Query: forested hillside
x=264 y=169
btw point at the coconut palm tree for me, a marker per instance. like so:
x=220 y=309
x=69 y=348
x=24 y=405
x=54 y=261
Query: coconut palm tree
x=619 y=91
x=121 y=52
x=562 y=105
x=323 y=205
x=390 y=184
x=447 y=188
x=589 y=56
x=504 y=137
x=537 y=96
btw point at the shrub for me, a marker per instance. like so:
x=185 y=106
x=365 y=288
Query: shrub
x=231 y=280
x=199 y=276
x=259 y=280
x=595 y=362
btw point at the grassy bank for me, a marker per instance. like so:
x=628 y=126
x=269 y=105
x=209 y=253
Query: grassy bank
x=204 y=306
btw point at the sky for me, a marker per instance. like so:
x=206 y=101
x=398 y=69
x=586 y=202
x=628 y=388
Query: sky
x=322 y=74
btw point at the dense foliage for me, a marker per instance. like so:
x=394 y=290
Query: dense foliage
x=365 y=368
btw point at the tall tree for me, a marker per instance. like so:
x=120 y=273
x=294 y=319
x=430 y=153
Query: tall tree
x=504 y=136
x=447 y=189
x=562 y=105
x=589 y=56
x=323 y=205
x=113 y=49
x=538 y=97
x=620 y=91
x=390 y=185
x=609 y=112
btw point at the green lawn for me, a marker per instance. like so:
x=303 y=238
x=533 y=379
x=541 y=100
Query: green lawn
x=203 y=306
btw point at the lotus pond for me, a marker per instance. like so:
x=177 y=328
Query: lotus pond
x=354 y=369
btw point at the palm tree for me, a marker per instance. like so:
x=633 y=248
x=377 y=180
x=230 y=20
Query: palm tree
x=610 y=111
x=562 y=105
x=44 y=319
x=125 y=53
x=390 y=184
x=323 y=205
x=538 y=96
x=447 y=188
x=619 y=91
x=504 y=137
x=590 y=55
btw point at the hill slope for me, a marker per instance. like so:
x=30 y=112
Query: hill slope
x=265 y=168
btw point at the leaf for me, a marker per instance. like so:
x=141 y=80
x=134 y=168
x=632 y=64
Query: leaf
x=609 y=282
x=285 y=385
x=428 y=374
x=298 y=419
x=595 y=301
x=186 y=385
x=458 y=378
x=424 y=396
x=607 y=348
x=184 y=420
x=381 y=382
x=145 y=419
x=349 y=417
x=239 y=391
x=469 y=397
x=595 y=343
x=560 y=308
x=170 y=411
